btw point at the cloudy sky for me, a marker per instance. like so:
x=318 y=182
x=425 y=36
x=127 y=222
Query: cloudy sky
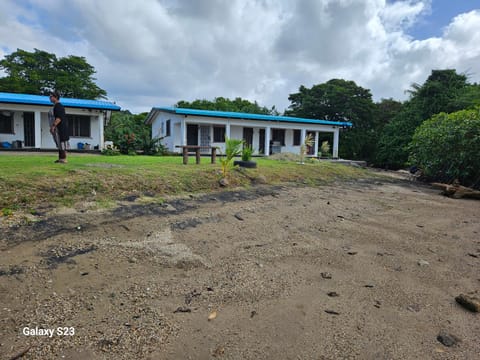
x=157 y=52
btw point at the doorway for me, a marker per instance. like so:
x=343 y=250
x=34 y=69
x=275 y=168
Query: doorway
x=192 y=134
x=248 y=136
x=261 y=141
x=29 y=129
x=204 y=136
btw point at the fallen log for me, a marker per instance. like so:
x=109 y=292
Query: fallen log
x=457 y=191
x=468 y=302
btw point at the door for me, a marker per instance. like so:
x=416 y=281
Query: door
x=192 y=134
x=205 y=136
x=261 y=141
x=248 y=136
x=29 y=129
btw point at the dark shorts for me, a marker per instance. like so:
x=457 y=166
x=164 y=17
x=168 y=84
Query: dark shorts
x=61 y=145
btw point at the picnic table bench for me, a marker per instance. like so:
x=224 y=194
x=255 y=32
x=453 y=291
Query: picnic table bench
x=197 y=149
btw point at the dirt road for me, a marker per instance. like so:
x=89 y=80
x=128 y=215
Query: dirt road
x=364 y=270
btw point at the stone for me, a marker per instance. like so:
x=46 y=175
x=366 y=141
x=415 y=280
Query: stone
x=447 y=339
x=224 y=182
x=423 y=263
x=326 y=275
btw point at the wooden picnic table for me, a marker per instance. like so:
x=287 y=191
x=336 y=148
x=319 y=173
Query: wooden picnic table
x=197 y=148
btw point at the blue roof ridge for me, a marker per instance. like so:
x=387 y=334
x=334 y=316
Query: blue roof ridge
x=68 y=102
x=231 y=114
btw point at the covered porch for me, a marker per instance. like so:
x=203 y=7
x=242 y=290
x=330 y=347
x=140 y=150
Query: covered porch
x=265 y=140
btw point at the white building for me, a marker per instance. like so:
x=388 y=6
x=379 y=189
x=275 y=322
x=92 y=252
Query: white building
x=267 y=134
x=24 y=121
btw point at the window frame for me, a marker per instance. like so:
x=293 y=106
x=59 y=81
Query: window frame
x=168 y=130
x=297 y=137
x=279 y=135
x=75 y=127
x=5 y=119
x=217 y=128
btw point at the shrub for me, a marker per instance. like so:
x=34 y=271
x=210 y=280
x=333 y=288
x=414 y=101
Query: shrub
x=247 y=152
x=111 y=151
x=232 y=149
x=325 y=149
x=308 y=142
x=447 y=147
x=152 y=146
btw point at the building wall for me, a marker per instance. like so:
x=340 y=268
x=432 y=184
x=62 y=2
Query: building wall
x=236 y=130
x=159 y=128
x=43 y=137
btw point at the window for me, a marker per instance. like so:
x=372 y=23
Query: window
x=6 y=122
x=278 y=135
x=167 y=128
x=219 y=134
x=297 y=137
x=79 y=125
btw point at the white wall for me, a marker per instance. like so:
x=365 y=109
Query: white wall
x=236 y=129
x=43 y=133
x=159 y=128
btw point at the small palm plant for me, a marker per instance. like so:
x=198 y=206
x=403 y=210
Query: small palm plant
x=233 y=147
x=247 y=152
x=309 y=141
x=325 y=148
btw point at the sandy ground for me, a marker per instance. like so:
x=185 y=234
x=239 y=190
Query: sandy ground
x=364 y=270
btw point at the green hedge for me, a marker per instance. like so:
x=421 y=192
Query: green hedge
x=447 y=147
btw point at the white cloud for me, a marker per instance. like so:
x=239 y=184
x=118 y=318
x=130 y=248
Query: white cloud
x=157 y=52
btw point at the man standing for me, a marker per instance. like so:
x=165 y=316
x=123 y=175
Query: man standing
x=59 y=127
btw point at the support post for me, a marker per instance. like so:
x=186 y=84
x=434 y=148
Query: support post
x=267 y=140
x=214 y=155
x=335 y=143
x=37 y=118
x=197 y=155
x=185 y=155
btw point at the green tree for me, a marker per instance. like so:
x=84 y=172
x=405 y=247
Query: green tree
x=39 y=72
x=340 y=100
x=443 y=91
x=392 y=150
x=447 y=146
x=225 y=104
x=129 y=133
x=385 y=111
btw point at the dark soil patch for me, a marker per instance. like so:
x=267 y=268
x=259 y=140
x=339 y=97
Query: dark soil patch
x=13 y=270
x=56 y=256
x=71 y=223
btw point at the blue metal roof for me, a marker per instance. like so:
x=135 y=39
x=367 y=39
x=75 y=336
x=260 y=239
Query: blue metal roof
x=248 y=116
x=28 y=99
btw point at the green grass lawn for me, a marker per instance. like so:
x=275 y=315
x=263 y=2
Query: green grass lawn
x=30 y=181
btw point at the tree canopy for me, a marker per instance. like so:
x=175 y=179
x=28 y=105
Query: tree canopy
x=446 y=147
x=339 y=100
x=443 y=91
x=225 y=104
x=40 y=72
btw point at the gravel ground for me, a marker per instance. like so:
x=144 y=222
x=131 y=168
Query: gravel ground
x=350 y=271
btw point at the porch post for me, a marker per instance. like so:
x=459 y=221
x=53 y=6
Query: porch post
x=303 y=135
x=316 y=145
x=267 y=141
x=38 y=129
x=335 y=142
x=101 y=124
x=227 y=129
x=255 y=141
x=183 y=132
